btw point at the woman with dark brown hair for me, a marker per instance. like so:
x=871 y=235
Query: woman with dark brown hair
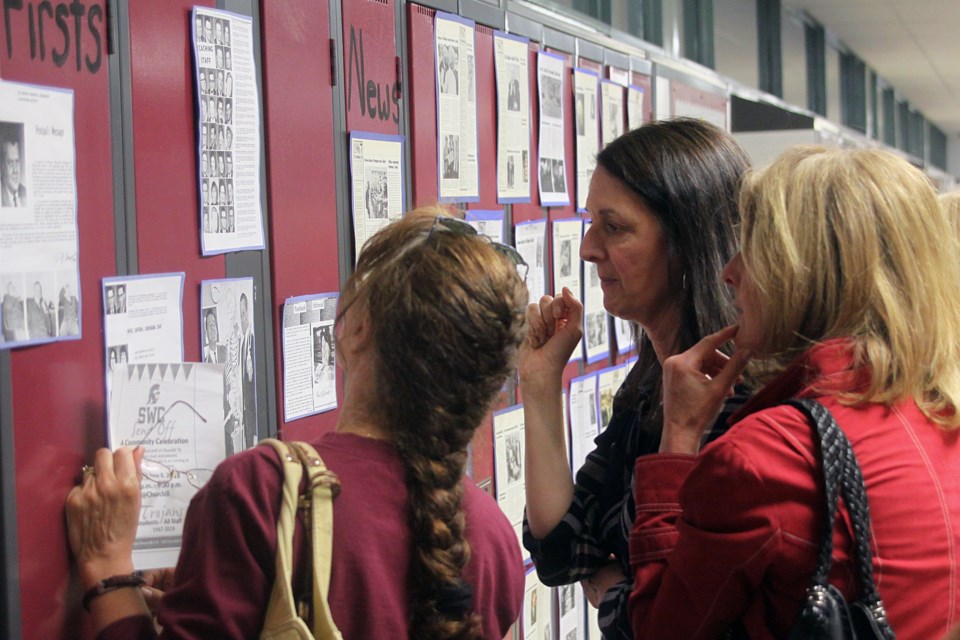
x=427 y=332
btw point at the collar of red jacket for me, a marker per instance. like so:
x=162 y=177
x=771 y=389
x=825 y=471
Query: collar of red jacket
x=823 y=369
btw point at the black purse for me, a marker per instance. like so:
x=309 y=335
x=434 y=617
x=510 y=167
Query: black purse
x=825 y=615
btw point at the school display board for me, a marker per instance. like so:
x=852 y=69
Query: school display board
x=140 y=205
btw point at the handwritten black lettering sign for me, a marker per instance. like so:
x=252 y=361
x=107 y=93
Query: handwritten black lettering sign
x=377 y=101
x=62 y=29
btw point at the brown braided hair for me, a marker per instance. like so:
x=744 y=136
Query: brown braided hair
x=446 y=312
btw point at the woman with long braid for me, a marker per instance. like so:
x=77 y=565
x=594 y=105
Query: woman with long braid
x=427 y=332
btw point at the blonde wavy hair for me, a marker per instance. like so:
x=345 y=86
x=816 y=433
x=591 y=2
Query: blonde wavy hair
x=951 y=208
x=853 y=243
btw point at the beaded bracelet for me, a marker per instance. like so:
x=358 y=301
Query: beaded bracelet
x=112 y=584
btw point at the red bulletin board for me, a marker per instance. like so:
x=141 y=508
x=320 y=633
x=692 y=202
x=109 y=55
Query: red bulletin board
x=164 y=144
x=298 y=118
x=371 y=68
x=486 y=118
x=58 y=389
x=423 y=104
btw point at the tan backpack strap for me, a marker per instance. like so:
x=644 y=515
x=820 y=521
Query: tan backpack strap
x=324 y=486
x=282 y=609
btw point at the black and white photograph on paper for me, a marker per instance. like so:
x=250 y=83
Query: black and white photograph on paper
x=514 y=457
x=579 y=113
x=13 y=190
x=513 y=88
x=377 y=197
x=228 y=338
x=12 y=309
x=451 y=157
x=324 y=363
x=449 y=71
x=546 y=174
x=550 y=96
x=41 y=309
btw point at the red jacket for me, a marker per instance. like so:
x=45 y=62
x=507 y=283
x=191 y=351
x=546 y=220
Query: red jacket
x=733 y=533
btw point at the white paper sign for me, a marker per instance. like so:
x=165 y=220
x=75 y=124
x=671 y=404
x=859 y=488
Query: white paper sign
x=143 y=319
x=585 y=88
x=456 y=108
x=551 y=158
x=509 y=445
x=39 y=259
x=227 y=337
x=531 y=240
x=511 y=63
x=228 y=137
x=174 y=411
x=309 y=355
x=376 y=171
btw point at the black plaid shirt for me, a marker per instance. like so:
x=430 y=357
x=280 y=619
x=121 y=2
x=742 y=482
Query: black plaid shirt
x=601 y=515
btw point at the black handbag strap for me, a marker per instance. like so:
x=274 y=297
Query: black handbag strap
x=842 y=475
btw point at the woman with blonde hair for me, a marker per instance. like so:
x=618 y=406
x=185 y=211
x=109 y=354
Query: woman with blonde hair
x=427 y=332
x=846 y=292
x=951 y=208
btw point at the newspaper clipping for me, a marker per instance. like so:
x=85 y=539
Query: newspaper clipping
x=227 y=337
x=487 y=222
x=635 y=97
x=228 y=132
x=39 y=260
x=456 y=109
x=567 y=234
x=553 y=172
x=143 y=320
x=508 y=443
x=583 y=419
x=611 y=103
x=537 y=601
x=596 y=323
x=531 y=240
x=511 y=58
x=309 y=355
x=608 y=382
x=173 y=411
x=376 y=169
x=585 y=87
x=623 y=330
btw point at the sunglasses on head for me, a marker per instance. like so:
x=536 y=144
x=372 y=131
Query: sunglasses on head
x=463 y=228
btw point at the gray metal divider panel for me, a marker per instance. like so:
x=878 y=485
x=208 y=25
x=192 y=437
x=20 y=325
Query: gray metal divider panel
x=520 y=26
x=559 y=40
x=483 y=13
x=10 y=622
x=121 y=133
x=589 y=50
x=641 y=65
x=256 y=264
x=616 y=59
